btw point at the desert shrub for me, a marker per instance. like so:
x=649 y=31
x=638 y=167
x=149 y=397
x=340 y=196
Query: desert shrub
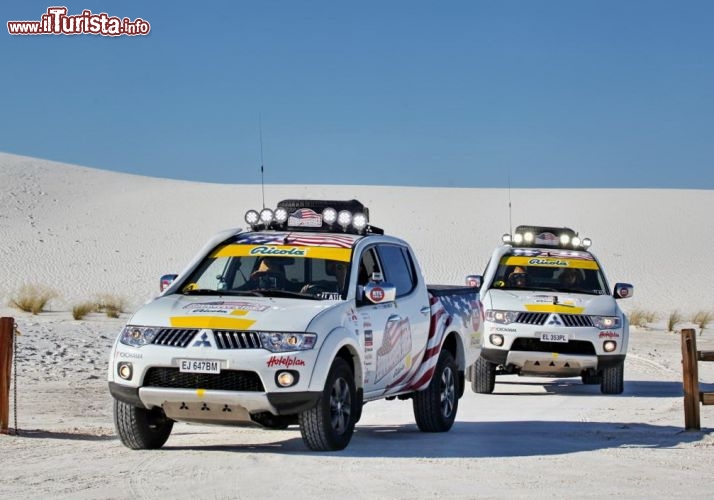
x=702 y=319
x=642 y=318
x=32 y=298
x=80 y=310
x=111 y=305
x=673 y=319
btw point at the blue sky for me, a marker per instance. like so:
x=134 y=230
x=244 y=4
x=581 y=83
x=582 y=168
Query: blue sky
x=457 y=93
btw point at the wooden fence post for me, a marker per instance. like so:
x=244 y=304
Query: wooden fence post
x=690 y=373
x=7 y=337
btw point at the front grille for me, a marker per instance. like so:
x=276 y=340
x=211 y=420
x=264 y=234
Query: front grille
x=531 y=318
x=227 y=380
x=576 y=320
x=174 y=337
x=539 y=319
x=573 y=347
x=231 y=339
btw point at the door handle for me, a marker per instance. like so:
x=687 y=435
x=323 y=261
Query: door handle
x=425 y=310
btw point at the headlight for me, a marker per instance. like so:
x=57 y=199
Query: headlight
x=137 y=336
x=606 y=322
x=282 y=342
x=503 y=317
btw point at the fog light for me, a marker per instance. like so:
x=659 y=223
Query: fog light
x=125 y=370
x=609 y=345
x=286 y=378
x=496 y=339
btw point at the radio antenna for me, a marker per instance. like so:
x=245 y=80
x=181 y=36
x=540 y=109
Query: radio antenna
x=510 y=221
x=260 y=131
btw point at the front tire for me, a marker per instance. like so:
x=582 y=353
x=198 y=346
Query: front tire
x=435 y=407
x=139 y=428
x=330 y=424
x=483 y=378
x=613 y=379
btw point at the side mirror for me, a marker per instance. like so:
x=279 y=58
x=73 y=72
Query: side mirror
x=166 y=281
x=380 y=293
x=474 y=281
x=623 y=290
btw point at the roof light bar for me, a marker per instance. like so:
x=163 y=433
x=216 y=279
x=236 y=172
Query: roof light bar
x=536 y=236
x=313 y=215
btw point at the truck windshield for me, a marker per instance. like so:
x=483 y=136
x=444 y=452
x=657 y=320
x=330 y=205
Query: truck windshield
x=272 y=271
x=571 y=274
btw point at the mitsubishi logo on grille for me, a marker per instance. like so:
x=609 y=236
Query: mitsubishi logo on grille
x=555 y=320
x=203 y=341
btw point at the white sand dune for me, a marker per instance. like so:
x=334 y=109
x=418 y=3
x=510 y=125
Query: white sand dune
x=84 y=232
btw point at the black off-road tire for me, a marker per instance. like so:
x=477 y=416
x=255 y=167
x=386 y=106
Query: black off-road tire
x=330 y=424
x=435 y=407
x=613 y=379
x=141 y=429
x=483 y=379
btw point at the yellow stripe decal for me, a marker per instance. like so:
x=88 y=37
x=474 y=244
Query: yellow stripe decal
x=554 y=308
x=549 y=262
x=341 y=254
x=229 y=323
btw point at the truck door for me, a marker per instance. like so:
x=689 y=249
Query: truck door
x=373 y=319
x=404 y=331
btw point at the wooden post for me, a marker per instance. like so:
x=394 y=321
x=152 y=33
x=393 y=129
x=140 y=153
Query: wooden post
x=7 y=336
x=690 y=374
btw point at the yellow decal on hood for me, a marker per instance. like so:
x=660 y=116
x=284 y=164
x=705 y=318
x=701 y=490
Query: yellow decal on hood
x=213 y=322
x=554 y=308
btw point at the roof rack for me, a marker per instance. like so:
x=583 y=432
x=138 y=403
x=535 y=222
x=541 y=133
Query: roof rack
x=536 y=236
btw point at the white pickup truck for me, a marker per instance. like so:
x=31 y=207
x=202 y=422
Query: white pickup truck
x=549 y=311
x=300 y=320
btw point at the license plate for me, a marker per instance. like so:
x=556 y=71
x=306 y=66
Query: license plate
x=554 y=337
x=199 y=366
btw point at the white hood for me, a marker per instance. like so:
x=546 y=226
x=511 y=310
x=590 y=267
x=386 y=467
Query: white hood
x=537 y=301
x=230 y=312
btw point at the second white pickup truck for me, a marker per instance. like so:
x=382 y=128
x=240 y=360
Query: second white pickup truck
x=301 y=320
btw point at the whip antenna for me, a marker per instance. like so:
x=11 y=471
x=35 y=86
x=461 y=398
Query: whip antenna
x=510 y=222
x=260 y=131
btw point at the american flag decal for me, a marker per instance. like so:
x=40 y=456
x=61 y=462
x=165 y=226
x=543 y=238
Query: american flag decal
x=305 y=217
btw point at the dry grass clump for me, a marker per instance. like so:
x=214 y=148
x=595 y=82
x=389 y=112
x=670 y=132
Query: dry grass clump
x=111 y=305
x=673 y=319
x=32 y=298
x=80 y=310
x=702 y=319
x=642 y=318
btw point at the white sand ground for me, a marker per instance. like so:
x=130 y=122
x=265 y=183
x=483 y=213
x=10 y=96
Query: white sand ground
x=85 y=232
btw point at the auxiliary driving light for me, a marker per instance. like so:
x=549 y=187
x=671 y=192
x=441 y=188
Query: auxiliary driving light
x=286 y=378
x=281 y=215
x=564 y=239
x=252 y=217
x=496 y=339
x=266 y=216
x=587 y=242
x=506 y=238
x=329 y=216
x=528 y=237
x=518 y=238
x=344 y=218
x=124 y=370
x=609 y=345
x=575 y=241
x=359 y=221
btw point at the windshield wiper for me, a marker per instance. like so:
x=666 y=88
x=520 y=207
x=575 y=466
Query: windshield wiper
x=285 y=293
x=207 y=291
